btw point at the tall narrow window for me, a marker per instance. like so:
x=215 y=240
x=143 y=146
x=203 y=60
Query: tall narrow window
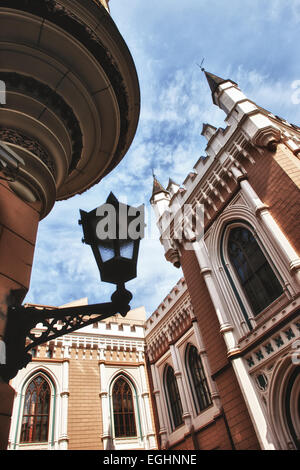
x=123 y=408
x=198 y=380
x=255 y=274
x=174 y=397
x=35 y=421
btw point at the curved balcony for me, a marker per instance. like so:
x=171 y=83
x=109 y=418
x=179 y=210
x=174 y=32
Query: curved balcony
x=72 y=95
x=104 y=3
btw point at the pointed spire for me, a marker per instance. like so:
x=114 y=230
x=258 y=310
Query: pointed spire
x=214 y=82
x=172 y=187
x=171 y=181
x=157 y=188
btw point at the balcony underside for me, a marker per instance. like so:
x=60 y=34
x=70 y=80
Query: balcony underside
x=72 y=102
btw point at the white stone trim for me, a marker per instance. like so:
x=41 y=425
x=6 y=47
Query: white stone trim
x=243 y=212
x=275 y=403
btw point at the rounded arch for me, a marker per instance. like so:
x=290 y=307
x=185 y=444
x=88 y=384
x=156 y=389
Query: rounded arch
x=284 y=403
x=243 y=308
x=197 y=378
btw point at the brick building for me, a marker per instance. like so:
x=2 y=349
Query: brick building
x=216 y=365
x=222 y=363
x=234 y=229
x=69 y=114
x=81 y=379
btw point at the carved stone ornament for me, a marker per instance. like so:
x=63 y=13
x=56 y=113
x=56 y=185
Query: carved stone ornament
x=54 y=12
x=12 y=136
x=51 y=99
x=269 y=137
x=172 y=255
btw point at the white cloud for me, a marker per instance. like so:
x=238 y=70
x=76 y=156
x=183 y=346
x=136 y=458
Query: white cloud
x=239 y=40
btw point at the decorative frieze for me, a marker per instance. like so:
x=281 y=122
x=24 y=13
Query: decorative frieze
x=274 y=345
x=16 y=82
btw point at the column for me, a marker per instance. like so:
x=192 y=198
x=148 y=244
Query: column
x=18 y=228
x=105 y=405
x=160 y=409
x=254 y=407
x=63 y=436
x=150 y=435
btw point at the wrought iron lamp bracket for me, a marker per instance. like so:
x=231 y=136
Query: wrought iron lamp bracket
x=20 y=336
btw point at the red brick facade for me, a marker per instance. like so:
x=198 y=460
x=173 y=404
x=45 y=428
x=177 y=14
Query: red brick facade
x=249 y=178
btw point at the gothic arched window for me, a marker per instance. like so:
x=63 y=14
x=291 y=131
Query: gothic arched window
x=123 y=409
x=174 y=396
x=35 y=421
x=198 y=379
x=254 y=272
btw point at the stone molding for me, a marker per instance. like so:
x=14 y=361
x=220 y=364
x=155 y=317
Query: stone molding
x=55 y=12
x=52 y=100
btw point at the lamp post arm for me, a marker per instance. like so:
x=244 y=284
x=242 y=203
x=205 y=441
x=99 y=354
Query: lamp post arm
x=20 y=336
x=60 y=321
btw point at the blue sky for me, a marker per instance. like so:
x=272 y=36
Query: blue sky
x=253 y=42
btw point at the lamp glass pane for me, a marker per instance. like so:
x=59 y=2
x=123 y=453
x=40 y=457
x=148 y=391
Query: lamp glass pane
x=126 y=248
x=106 y=249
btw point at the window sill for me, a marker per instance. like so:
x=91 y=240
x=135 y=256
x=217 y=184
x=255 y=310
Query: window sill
x=33 y=446
x=265 y=315
x=128 y=443
x=269 y=319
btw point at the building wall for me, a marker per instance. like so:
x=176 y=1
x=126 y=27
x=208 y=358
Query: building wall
x=170 y=330
x=248 y=178
x=275 y=178
x=81 y=368
x=85 y=413
x=18 y=229
x=241 y=430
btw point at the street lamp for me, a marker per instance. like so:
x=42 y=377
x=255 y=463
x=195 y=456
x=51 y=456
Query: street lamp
x=113 y=231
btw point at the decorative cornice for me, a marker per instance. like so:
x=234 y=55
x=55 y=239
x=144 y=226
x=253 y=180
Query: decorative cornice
x=268 y=137
x=52 y=100
x=54 y=12
x=15 y=137
x=173 y=256
x=123 y=363
x=278 y=340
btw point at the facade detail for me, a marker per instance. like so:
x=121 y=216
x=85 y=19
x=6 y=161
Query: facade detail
x=240 y=259
x=217 y=364
x=71 y=109
x=86 y=390
x=186 y=397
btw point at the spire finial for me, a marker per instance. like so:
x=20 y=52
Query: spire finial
x=201 y=65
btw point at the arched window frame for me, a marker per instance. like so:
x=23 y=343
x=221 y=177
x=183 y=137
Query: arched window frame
x=175 y=415
x=52 y=410
x=135 y=406
x=237 y=310
x=206 y=402
x=233 y=278
x=283 y=403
